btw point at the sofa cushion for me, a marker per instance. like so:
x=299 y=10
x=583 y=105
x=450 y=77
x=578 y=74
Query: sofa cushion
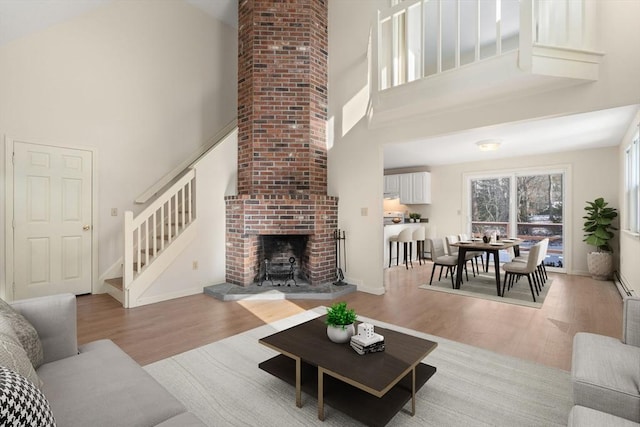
x=13 y=356
x=102 y=386
x=606 y=375
x=587 y=417
x=26 y=333
x=23 y=404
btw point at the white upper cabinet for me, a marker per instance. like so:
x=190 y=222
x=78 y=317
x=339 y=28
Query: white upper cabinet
x=406 y=188
x=421 y=188
x=392 y=184
x=414 y=188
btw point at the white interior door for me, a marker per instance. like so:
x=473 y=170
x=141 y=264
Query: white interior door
x=52 y=220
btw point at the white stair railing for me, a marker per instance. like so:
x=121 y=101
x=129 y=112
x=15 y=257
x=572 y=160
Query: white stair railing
x=152 y=231
x=417 y=39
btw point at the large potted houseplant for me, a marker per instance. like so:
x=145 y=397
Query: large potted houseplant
x=339 y=322
x=597 y=228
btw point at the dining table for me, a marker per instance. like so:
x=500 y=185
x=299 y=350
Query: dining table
x=494 y=248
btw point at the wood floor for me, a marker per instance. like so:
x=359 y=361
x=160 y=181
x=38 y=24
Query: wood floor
x=573 y=304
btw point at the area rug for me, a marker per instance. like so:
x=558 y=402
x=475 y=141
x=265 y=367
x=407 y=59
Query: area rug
x=222 y=384
x=483 y=286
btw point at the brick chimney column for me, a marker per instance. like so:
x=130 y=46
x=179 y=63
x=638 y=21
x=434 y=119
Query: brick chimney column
x=282 y=97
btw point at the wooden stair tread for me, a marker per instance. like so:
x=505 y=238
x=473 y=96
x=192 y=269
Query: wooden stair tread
x=116 y=282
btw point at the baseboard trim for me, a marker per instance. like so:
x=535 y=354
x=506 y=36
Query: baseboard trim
x=168 y=296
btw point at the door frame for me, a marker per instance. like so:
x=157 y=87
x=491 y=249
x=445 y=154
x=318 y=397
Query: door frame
x=7 y=285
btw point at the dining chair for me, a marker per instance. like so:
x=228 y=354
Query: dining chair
x=441 y=259
x=514 y=270
x=541 y=269
x=453 y=251
x=474 y=254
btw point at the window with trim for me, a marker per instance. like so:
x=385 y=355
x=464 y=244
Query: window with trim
x=632 y=185
x=524 y=204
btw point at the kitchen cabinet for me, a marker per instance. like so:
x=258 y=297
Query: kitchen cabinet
x=421 y=188
x=392 y=184
x=415 y=188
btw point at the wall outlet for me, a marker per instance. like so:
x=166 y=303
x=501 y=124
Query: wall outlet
x=195 y=265
x=114 y=211
x=364 y=211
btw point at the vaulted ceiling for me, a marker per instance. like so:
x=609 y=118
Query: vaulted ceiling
x=19 y=18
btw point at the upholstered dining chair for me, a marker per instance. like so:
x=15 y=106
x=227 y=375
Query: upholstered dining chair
x=514 y=270
x=541 y=270
x=474 y=254
x=452 y=250
x=441 y=259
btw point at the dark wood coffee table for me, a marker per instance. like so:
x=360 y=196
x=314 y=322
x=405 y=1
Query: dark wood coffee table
x=371 y=388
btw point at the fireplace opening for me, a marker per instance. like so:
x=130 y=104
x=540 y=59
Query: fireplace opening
x=283 y=260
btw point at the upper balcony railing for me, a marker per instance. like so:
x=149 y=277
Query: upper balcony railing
x=421 y=38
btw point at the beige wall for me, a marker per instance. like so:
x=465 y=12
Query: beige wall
x=629 y=243
x=144 y=83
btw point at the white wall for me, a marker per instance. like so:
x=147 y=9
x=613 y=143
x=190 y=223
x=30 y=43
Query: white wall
x=355 y=156
x=629 y=244
x=585 y=175
x=355 y=163
x=145 y=83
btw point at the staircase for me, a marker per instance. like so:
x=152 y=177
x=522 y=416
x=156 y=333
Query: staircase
x=156 y=236
x=153 y=238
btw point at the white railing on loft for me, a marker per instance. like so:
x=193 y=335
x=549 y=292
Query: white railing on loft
x=148 y=234
x=416 y=39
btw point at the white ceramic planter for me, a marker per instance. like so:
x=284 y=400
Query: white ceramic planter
x=339 y=335
x=600 y=265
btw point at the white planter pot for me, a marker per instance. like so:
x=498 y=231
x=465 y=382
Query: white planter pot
x=600 y=265
x=339 y=335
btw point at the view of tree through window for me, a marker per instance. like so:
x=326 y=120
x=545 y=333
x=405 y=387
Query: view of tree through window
x=538 y=203
x=490 y=205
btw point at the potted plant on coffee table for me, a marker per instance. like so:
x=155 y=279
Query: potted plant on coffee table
x=597 y=228
x=339 y=322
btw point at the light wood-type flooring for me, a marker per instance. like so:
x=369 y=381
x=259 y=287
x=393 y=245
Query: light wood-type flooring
x=545 y=335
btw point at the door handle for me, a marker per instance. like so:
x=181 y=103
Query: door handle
x=86 y=227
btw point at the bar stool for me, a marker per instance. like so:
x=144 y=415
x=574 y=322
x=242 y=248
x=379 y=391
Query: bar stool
x=406 y=238
x=393 y=239
x=419 y=235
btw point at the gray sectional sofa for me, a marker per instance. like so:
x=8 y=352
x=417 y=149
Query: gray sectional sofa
x=96 y=384
x=605 y=374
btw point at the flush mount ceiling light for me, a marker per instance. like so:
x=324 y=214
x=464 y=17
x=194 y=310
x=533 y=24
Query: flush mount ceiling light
x=489 y=144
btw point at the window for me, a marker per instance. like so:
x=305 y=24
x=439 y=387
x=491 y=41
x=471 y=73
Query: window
x=527 y=205
x=632 y=185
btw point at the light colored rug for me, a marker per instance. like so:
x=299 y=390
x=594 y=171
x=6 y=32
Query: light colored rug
x=484 y=286
x=222 y=384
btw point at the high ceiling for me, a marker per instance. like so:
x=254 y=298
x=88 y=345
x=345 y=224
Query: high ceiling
x=582 y=131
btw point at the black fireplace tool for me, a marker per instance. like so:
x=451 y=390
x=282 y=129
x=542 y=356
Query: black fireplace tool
x=341 y=256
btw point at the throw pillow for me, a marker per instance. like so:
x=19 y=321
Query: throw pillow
x=26 y=333
x=13 y=356
x=23 y=404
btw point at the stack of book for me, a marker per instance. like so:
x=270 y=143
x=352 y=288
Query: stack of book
x=364 y=345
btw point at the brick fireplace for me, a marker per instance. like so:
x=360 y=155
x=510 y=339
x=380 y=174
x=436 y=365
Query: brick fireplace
x=282 y=154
